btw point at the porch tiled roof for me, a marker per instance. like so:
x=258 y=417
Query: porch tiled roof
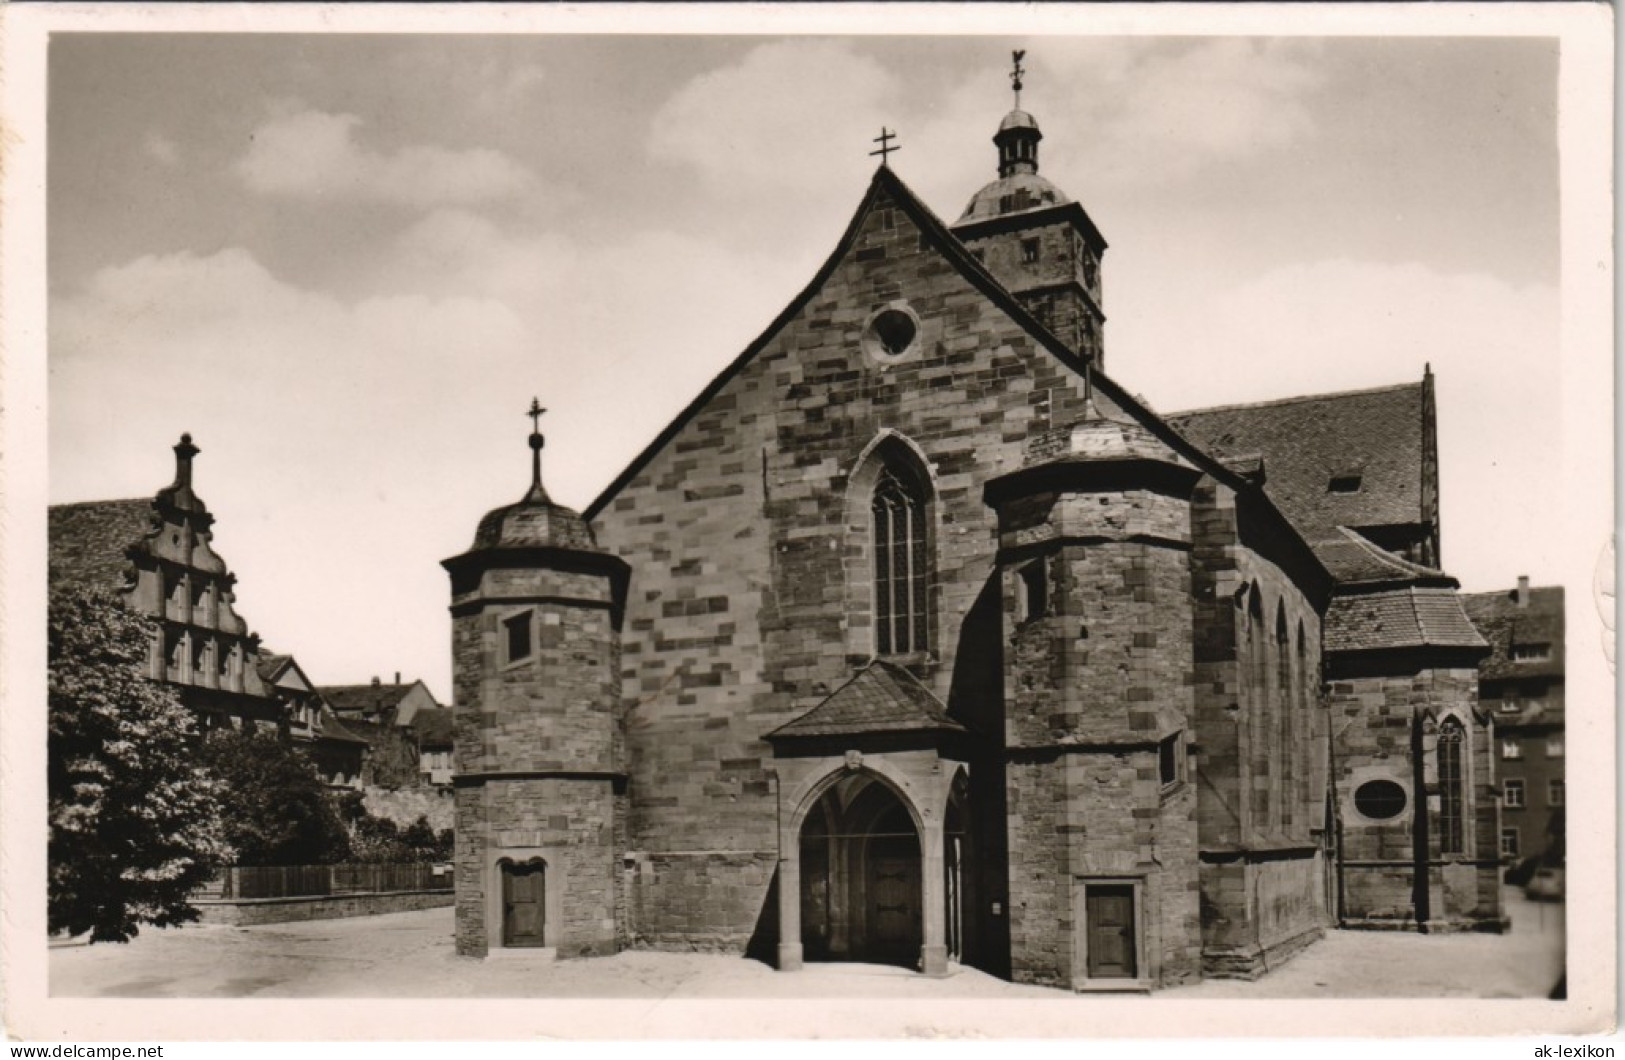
x=881 y=697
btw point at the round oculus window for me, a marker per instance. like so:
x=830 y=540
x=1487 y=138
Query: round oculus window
x=892 y=334
x=1380 y=800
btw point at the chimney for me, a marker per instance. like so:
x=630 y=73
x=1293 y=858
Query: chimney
x=397 y=677
x=375 y=681
x=1521 y=594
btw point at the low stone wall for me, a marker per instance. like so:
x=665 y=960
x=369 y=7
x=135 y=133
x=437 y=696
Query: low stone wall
x=406 y=805
x=246 y=911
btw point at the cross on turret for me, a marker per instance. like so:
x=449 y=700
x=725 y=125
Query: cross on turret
x=536 y=442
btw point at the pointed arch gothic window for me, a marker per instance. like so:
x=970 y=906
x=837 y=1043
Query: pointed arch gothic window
x=901 y=562
x=1284 y=735
x=1450 y=787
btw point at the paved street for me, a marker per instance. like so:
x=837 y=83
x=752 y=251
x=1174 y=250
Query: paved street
x=410 y=955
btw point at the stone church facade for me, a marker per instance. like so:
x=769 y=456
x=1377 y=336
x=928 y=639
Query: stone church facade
x=916 y=638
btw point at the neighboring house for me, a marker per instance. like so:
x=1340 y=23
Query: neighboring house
x=435 y=736
x=394 y=703
x=384 y=715
x=338 y=754
x=918 y=638
x=157 y=556
x=1521 y=685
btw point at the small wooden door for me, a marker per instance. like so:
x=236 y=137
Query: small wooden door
x=1110 y=912
x=524 y=904
x=894 y=903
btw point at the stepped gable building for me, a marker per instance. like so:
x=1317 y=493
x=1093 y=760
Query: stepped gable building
x=916 y=638
x=157 y=556
x=1521 y=685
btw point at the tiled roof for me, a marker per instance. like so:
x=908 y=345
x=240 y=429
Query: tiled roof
x=1408 y=617
x=334 y=729
x=434 y=727
x=364 y=699
x=270 y=665
x=1353 y=560
x=1504 y=625
x=1305 y=442
x=882 y=697
x=87 y=542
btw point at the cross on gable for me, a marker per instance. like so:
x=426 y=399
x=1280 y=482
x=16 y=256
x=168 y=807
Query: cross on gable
x=886 y=148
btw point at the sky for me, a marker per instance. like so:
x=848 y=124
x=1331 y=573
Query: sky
x=345 y=264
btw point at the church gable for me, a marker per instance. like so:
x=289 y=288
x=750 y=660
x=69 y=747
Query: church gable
x=748 y=523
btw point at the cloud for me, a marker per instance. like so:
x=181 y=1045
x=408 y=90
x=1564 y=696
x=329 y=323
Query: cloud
x=161 y=148
x=1220 y=98
x=771 y=122
x=315 y=154
x=382 y=424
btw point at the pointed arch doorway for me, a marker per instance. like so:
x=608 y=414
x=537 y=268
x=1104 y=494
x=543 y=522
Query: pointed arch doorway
x=861 y=876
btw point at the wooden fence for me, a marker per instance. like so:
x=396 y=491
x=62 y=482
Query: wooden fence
x=299 y=881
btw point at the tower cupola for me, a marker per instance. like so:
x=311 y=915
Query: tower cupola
x=1035 y=240
x=1017 y=140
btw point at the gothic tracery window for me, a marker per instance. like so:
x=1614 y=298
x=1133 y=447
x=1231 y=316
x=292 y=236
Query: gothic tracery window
x=901 y=563
x=1450 y=787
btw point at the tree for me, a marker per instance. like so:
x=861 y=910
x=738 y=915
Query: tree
x=276 y=811
x=133 y=821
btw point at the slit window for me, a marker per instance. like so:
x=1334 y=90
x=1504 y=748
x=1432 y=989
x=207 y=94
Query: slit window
x=1034 y=590
x=1029 y=251
x=517 y=639
x=1168 y=761
x=1345 y=483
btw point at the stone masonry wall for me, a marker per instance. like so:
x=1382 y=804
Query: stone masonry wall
x=1093 y=686
x=553 y=711
x=572 y=820
x=1386 y=725
x=405 y=805
x=747 y=550
x=1261 y=763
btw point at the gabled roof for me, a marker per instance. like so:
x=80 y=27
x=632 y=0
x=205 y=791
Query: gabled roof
x=434 y=727
x=331 y=728
x=881 y=697
x=937 y=234
x=365 y=699
x=87 y=544
x=271 y=665
x=1504 y=624
x=1409 y=617
x=1377 y=435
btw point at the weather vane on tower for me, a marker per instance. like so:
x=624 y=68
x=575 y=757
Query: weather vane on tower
x=1016 y=73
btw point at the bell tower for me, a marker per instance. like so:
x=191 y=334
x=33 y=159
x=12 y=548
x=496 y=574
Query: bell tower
x=1035 y=240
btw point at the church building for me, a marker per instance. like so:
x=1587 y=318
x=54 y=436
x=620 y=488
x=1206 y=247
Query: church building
x=916 y=638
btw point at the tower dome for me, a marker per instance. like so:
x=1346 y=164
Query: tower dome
x=1019 y=187
x=536 y=521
